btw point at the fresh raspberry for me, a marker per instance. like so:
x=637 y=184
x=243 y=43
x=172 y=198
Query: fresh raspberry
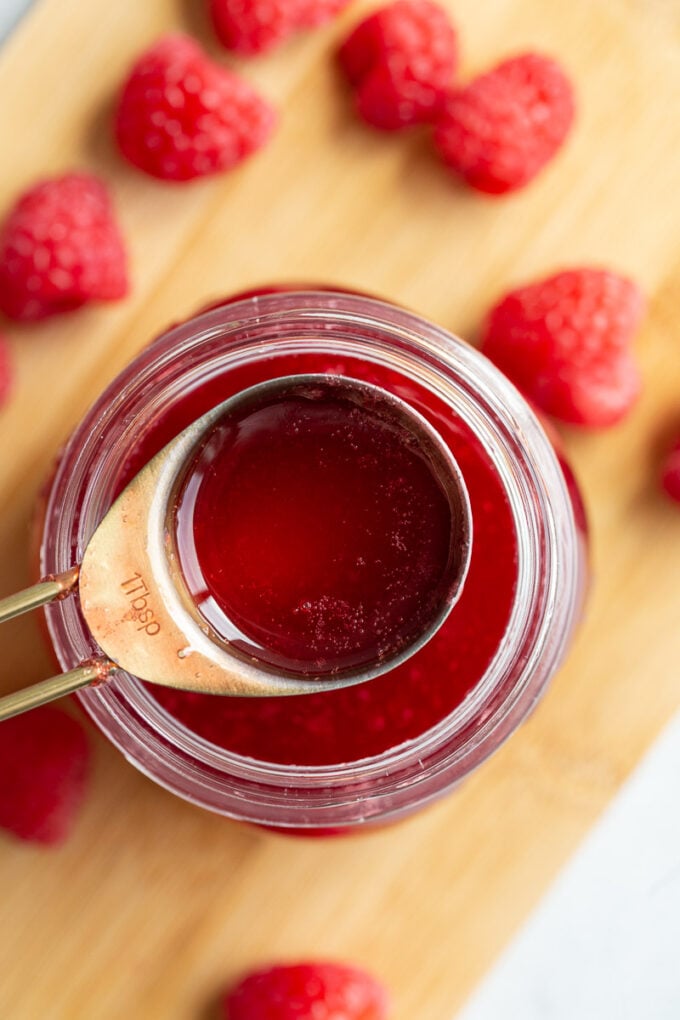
x=255 y=26
x=500 y=130
x=44 y=765
x=6 y=372
x=670 y=476
x=565 y=342
x=182 y=116
x=401 y=60
x=322 y=991
x=60 y=246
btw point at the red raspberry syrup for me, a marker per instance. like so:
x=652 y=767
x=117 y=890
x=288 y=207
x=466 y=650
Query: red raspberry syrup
x=370 y=718
x=315 y=529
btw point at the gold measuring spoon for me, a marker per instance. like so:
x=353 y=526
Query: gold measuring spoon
x=132 y=591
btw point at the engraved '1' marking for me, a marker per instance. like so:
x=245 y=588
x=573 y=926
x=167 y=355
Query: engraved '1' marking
x=136 y=590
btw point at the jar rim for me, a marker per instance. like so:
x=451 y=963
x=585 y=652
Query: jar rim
x=547 y=596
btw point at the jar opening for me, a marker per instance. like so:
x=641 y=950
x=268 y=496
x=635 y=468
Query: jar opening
x=547 y=575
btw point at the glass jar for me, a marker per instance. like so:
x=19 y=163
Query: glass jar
x=195 y=365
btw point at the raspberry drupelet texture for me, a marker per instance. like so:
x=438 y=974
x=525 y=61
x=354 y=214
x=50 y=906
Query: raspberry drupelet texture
x=323 y=991
x=501 y=129
x=565 y=342
x=401 y=61
x=256 y=26
x=670 y=474
x=181 y=116
x=60 y=247
x=44 y=766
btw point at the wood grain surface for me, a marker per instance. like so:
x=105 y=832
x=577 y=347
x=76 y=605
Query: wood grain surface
x=153 y=904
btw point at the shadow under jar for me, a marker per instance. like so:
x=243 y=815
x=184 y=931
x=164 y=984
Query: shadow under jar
x=378 y=751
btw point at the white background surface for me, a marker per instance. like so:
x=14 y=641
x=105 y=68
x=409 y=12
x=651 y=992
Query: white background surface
x=605 y=942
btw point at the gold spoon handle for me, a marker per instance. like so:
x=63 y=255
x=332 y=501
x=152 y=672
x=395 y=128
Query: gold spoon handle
x=38 y=594
x=56 y=686
x=51 y=689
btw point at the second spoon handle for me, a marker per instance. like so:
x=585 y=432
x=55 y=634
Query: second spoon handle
x=38 y=594
x=53 y=688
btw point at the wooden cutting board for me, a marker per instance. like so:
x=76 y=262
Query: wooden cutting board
x=153 y=904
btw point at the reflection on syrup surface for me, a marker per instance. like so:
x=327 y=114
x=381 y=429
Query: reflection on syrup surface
x=314 y=531
x=345 y=725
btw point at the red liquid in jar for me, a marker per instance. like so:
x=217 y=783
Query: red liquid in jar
x=314 y=530
x=368 y=719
